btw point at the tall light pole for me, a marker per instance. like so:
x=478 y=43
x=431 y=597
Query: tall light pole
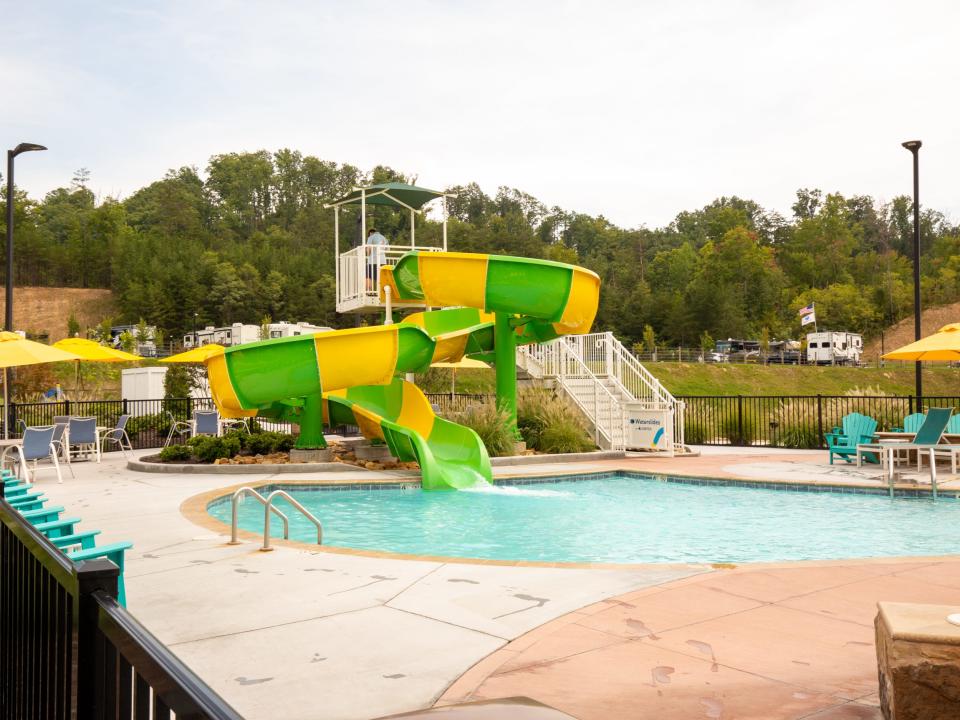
x=11 y=154
x=914 y=147
x=8 y=315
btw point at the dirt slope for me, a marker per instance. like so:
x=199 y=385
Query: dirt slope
x=901 y=334
x=45 y=310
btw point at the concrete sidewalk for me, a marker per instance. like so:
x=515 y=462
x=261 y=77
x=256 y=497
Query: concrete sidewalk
x=303 y=633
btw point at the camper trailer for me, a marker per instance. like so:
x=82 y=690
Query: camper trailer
x=834 y=348
x=236 y=334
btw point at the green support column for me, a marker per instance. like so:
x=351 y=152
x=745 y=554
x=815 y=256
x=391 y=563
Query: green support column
x=311 y=423
x=505 y=361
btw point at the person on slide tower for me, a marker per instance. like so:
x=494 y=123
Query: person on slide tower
x=376 y=256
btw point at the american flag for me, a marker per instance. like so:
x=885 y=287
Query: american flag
x=807 y=310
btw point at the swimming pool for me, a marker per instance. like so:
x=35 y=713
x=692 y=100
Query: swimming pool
x=619 y=518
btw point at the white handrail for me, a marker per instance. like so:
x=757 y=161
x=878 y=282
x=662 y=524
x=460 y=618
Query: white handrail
x=604 y=360
x=234 y=520
x=268 y=508
x=559 y=360
x=266 y=517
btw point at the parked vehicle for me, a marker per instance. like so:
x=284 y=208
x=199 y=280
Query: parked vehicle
x=834 y=348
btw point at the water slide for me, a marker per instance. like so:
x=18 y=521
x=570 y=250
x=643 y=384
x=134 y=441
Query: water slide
x=491 y=304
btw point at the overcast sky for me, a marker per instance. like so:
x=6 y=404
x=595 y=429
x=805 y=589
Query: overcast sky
x=631 y=110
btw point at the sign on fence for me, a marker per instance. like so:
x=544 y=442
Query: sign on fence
x=649 y=429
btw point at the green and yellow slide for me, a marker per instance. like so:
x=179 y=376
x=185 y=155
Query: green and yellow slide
x=491 y=304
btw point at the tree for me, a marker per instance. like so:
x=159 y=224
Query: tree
x=177 y=382
x=73 y=326
x=650 y=340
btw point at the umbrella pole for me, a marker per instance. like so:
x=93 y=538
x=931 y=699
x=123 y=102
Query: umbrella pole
x=6 y=403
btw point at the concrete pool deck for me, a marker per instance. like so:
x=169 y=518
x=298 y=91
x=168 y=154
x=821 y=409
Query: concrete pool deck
x=306 y=633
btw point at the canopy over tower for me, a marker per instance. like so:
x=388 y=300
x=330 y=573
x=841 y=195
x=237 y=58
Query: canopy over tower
x=358 y=268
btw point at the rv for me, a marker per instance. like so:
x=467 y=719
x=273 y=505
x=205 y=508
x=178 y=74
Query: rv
x=834 y=348
x=288 y=329
x=236 y=334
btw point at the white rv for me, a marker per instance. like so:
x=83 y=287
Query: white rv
x=288 y=329
x=236 y=334
x=834 y=348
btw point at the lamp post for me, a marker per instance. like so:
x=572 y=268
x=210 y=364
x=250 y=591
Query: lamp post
x=914 y=147
x=11 y=154
x=8 y=314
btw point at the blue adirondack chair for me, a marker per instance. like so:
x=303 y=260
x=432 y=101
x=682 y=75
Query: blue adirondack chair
x=857 y=430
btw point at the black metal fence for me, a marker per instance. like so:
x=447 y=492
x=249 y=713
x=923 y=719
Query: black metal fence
x=797 y=421
x=68 y=650
x=789 y=421
x=148 y=427
x=456 y=402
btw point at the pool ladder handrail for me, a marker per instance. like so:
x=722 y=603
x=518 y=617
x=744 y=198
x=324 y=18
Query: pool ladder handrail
x=269 y=507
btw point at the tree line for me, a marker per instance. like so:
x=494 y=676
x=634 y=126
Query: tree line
x=250 y=239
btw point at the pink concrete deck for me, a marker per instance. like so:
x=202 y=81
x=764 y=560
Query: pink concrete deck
x=763 y=641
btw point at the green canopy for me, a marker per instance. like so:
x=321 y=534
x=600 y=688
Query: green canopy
x=394 y=194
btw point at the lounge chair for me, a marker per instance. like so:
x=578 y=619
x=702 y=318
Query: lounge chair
x=857 y=430
x=37 y=444
x=929 y=438
x=118 y=435
x=206 y=422
x=83 y=437
x=180 y=428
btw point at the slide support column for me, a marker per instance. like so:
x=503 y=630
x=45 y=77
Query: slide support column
x=311 y=423
x=505 y=359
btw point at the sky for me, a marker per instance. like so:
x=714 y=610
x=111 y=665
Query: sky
x=635 y=110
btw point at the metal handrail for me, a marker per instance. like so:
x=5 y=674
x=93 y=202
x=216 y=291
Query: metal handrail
x=266 y=517
x=234 y=522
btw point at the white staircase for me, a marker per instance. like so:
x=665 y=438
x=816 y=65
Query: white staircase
x=606 y=382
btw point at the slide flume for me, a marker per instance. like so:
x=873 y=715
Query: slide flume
x=351 y=376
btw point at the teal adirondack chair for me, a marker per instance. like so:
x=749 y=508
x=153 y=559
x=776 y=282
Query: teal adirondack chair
x=911 y=423
x=857 y=430
x=953 y=427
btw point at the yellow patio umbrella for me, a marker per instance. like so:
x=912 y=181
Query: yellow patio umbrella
x=942 y=345
x=92 y=351
x=463 y=363
x=16 y=351
x=198 y=354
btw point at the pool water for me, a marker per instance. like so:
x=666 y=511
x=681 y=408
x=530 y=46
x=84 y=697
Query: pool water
x=624 y=518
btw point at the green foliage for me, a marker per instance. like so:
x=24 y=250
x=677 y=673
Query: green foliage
x=160 y=422
x=177 y=382
x=250 y=238
x=736 y=429
x=73 y=326
x=492 y=425
x=264 y=443
x=176 y=453
x=550 y=423
x=128 y=343
x=208 y=448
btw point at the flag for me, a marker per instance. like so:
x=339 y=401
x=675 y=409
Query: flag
x=807 y=310
x=807 y=319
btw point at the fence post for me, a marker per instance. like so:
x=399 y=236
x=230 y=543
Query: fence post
x=124 y=407
x=910 y=403
x=740 y=419
x=92 y=575
x=819 y=420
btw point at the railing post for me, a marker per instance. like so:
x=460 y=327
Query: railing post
x=910 y=403
x=820 y=418
x=740 y=417
x=92 y=575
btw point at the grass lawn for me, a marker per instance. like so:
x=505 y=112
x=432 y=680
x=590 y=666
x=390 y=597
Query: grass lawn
x=709 y=379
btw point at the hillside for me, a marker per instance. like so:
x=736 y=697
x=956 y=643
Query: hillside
x=45 y=310
x=901 y=334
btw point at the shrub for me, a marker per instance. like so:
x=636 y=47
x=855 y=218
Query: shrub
x=160 y=422
x=175 y=453
x=264 y=443
x=492 y=425
x=550 y=423
x=208 y=448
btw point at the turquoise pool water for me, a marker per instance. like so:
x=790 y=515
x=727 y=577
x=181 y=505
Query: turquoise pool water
x=621 y=519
